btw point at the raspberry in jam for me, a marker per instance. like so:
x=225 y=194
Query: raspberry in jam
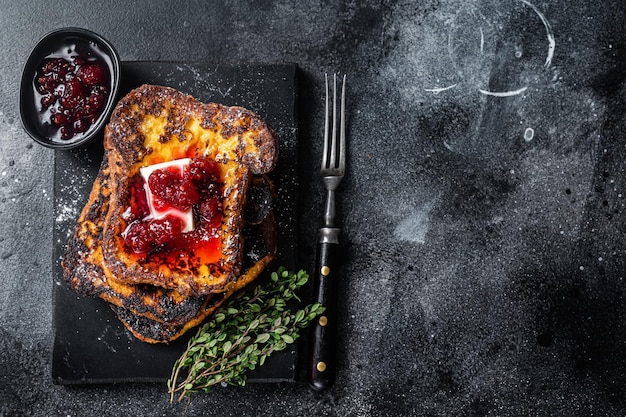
x=71 y=88
x=196 y=187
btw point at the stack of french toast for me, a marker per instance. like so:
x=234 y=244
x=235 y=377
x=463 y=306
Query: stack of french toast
x=165 y=235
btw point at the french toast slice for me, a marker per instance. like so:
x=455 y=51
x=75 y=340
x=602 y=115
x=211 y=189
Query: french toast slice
x=152 y=125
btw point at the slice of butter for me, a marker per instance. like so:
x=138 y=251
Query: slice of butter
x=185 y=216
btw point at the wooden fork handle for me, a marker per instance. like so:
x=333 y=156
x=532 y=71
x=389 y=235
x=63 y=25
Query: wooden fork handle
x=321 y=368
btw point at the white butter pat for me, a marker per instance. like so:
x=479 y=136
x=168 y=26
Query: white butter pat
x=185 y=216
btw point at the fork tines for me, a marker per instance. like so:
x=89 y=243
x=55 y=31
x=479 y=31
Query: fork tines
x=335 y=163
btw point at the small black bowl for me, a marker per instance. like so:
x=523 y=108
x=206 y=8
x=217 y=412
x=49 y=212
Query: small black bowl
x=78 y=47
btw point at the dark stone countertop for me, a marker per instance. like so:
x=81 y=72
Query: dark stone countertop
x=484 y=242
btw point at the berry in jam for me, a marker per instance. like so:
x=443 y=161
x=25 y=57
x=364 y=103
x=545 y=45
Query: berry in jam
x=209 y=208
x=197 y=188
x=71 y=88
x=92 y=74
x=171 y=189
x=145 y=236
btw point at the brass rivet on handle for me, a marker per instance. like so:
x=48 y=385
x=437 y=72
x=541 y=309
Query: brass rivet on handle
x=323 y=321
x=325 y=270
x=321 y=366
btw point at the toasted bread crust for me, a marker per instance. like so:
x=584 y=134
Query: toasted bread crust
x=154 y=124
x=151 y=331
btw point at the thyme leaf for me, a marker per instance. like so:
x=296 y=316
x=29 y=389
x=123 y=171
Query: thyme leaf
x=242 y=335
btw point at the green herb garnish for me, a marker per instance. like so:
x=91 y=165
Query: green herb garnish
x=242 y=334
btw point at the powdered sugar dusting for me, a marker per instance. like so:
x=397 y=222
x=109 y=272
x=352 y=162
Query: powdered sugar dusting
x=67 y=212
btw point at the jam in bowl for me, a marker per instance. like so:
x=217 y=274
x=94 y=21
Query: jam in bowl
x=69 y=88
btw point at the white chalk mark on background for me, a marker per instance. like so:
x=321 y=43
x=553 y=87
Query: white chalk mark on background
x=503 y=93
x=480 y=21
x=482 y=41
x=440 y=89
x=549 y=33
x=414 y=227
x=529 y=134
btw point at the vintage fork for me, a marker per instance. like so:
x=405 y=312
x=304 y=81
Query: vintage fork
x=321 y=372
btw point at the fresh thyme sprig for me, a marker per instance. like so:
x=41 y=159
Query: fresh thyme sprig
x=242 y=335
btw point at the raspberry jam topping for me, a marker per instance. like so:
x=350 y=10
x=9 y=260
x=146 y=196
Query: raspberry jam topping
x=196 y=187
x=71 y=87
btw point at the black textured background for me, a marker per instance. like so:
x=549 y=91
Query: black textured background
x=484 y=265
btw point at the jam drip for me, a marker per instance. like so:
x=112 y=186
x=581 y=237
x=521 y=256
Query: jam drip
x=198 y=188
